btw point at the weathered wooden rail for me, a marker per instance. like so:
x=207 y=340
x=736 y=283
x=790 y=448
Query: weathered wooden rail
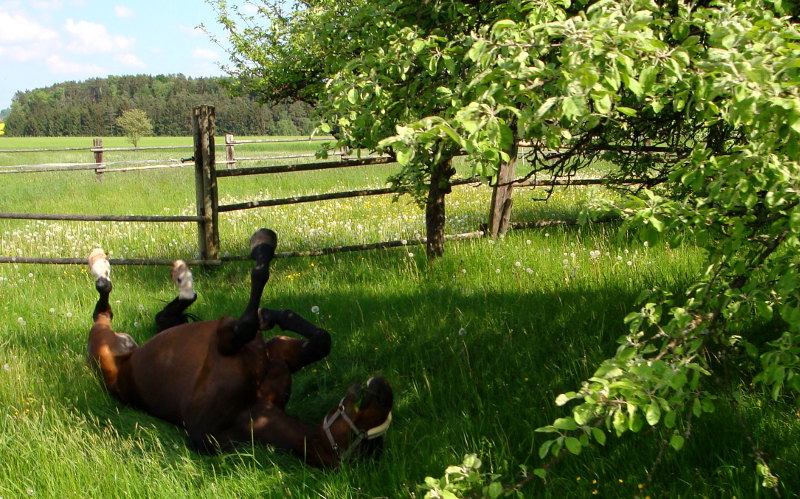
x=208 y=208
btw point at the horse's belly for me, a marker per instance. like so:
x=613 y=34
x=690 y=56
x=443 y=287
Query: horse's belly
x=167 y=368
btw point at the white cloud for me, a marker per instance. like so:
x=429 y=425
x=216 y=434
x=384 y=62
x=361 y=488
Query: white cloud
x=188 y=30
x=18 y=29
x=205 y=54
x=250 y=9
x=131 y=61
x=89 y=37
x=59 y=66
x=123 y=12
x=48 y=6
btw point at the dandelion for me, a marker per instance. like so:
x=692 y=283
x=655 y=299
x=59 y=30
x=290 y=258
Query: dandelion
x=629 y=263
x=595 y=492
x=529 y=270
x=578 y=479
x=6 y=367
x=565 y=262
x=315 y=310
x=646 y=244
x=619 y=258
x=594 y=254
x=30 y=274
x=21 y=321
x=141 y=307
x=69 y=315
x=517 y=264
x=546 y=234
x=463 y=271
x=403 y=242
x=462 y=332
x=641 y=486
x=496 y=271
x=528 y=241
x=52 y=310
x=136 y=324
x=410 y=254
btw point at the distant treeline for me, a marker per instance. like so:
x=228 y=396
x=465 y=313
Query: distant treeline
x=90 y=108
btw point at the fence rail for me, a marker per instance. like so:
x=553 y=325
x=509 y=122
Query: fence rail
x=207 y=202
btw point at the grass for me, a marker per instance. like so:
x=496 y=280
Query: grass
x=476 y=345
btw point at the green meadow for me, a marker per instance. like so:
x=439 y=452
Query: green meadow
x=477 y=344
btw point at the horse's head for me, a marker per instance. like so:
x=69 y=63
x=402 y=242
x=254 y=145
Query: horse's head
x=356 y=427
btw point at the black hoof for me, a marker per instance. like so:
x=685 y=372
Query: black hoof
x=102 y=285
x=263 y=244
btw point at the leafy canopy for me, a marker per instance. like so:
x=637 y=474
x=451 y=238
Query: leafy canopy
x=700 y=98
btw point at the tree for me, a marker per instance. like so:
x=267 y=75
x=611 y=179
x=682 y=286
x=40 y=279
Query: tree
x=135 y=125
x=699 y=98
x=702 y=97
x=369 y=67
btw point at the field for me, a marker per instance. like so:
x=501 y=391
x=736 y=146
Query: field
x=476 y=345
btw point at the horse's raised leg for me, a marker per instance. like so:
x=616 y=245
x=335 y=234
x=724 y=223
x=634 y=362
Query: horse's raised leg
x=295 y=352
x=107 y=350
x=174 y=313
x=235 y=334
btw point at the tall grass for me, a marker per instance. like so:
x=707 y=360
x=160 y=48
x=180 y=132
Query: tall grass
x=476 y=345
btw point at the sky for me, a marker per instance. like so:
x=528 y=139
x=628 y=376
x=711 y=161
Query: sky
x=43 y=42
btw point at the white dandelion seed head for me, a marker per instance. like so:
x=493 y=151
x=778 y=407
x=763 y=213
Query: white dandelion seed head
x=517 y=264
x=6 y=367
x=315 y=309
x=546 y=234
x=496 y=271
x=629 y=263
x=565 y=261
x=462 y=332
x=52 y=310
x=528 y=241
x=69 y=314
x=410 y=254
x=529 y=270
x=646 y=244
x=136 y=324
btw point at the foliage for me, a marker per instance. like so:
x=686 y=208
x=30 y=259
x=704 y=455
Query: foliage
x=714 y=86
x=88 y=108
x=458 y=481
x=135 y=125
x=369 y=67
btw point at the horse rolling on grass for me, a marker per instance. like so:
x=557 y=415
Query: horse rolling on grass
x=224 y=382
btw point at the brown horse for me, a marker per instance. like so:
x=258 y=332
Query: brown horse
x=224 y=382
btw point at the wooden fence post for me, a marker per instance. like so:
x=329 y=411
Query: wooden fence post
x=230 y=151
x=500 y=210
x=205 y=175
x=97 y=149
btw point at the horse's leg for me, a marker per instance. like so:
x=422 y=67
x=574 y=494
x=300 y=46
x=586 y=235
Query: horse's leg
x=174 y=312
x=354 y=428
x=232 y=335
x=295 y=352
x=107 y=349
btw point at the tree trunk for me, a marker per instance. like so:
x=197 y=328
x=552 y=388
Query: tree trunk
x=435 y=207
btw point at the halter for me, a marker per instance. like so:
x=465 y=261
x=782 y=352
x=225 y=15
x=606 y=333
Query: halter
x=360 y=434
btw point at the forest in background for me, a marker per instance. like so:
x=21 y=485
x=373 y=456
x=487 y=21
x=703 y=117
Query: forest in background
x=90 y=108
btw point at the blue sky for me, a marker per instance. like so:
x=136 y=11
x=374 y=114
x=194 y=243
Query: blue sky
x=43 y=42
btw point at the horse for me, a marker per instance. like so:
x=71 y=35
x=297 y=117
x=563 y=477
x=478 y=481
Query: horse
x=226 y=384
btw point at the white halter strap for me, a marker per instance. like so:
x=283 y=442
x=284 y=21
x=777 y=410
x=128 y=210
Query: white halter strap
x=360 y=434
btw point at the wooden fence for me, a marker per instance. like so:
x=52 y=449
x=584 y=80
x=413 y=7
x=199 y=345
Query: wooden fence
x=207 y=198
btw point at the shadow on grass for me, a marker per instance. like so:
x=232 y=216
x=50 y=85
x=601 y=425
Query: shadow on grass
x=475 y=363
